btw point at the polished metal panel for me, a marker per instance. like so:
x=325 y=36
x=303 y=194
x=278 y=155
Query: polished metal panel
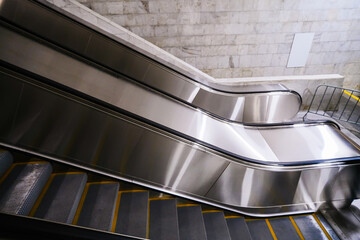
x=247 y=186
x=63 y=126
x=232 y=103
x=239 y=140
x=293 y=190
x=317 y=142
x=59 y=126
x=166 y=144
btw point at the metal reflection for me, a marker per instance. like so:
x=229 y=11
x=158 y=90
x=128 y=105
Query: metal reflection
x=219 y=100
x=330 y=147
x=86 y=135
x=228 y=166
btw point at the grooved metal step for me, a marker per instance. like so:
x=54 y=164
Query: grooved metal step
x=328 y=228
x=259 y=230
x=191 y=223
x=22 y=186
x=238 y=229
x=100 y=205
x=61 y=199
x=97 y=206
x=215 y=225
x=284 y=229
x=6 y=159
x=309 y=228
x=163 y=224
x=132 y=216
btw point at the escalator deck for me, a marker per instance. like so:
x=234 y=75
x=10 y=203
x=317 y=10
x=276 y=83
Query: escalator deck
x=40 y=189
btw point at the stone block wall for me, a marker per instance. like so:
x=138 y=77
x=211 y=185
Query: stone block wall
x=246 y=38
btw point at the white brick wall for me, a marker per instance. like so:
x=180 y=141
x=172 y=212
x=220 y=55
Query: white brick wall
x=246 y=38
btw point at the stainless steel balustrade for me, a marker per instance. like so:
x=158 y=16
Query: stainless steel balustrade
x=336 y=102
x=135 y=133
x=253 y=104
x=45 y=121
x=257 y=143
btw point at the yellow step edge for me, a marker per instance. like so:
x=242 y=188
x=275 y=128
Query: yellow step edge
x=116 y=212
x=252 y=219
x=81 y=204
x=128 y=191
x=351 y=95
x=161 y=198
x=188 y=204
x=296 y=228
x=102 y=182
x=211 y=211
x=233 y=217
x=41 y=196
x=68 y=173
x=271 y=229
x=321 y=226
x=31 y=162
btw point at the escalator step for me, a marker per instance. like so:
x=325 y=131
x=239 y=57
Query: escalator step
x=163 y=220
x=215 y=225
x=6 y=160
x=284 y=229
x=328 y=228
x=60 y=201
x=132 y=216
x=238 y=228
x=309 y=227
x=191 y=223
x=23 y=185
x=259 y=230
x=98 y=206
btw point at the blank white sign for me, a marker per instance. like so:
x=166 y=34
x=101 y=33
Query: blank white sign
x=300 y=49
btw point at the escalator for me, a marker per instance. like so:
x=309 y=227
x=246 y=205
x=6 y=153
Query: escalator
x=65 y=97
x=42 y=198
x=271 y=103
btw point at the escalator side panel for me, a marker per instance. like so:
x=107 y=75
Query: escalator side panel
x=250 y=186
x=241 y=141
x=9 y=101
x=125 y=60
x=31 y=17
x=132 y=98
x=329 y=145
x=127 y=149
x=6 y=159
x=111 y=55
x=138 y=152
